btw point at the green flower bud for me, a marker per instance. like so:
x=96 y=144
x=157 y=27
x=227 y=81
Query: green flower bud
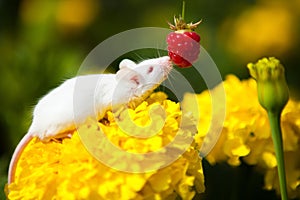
x=272 y=88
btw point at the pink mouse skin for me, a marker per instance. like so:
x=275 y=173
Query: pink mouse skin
x=78 y=98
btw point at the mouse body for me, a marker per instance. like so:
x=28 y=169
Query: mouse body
x=81 y=97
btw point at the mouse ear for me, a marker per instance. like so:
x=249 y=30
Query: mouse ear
x=126 y=63
x=129 y=75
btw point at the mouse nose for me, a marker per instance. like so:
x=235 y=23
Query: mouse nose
x=166 y=58
x=165 y=61
x=167 y=65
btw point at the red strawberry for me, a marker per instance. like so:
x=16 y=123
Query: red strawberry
x=183 y=43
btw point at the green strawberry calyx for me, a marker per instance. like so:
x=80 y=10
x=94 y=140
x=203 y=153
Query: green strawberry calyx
x=180 y=24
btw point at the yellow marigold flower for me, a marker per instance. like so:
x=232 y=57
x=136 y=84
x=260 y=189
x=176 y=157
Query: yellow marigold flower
x=292 y=171
x=67 y=170
x=246 y=132
x=243 y=115
x=76 y=14
x=73 y=15
x=251 y=34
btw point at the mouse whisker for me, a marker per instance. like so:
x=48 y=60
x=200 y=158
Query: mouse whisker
x=169 y=79
x=171 y=84
x=139 y=57
x=158 y=52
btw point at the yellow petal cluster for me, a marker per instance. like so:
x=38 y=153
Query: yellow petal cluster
x=65 y=169
x=246 y=133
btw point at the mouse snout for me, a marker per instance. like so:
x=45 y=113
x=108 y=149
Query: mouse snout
x=166 y=64
x=165 y=60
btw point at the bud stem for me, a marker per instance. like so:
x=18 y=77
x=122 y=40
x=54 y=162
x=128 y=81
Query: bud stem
x=273 y=95
x=274 y=119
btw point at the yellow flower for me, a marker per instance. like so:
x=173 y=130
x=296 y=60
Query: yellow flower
x=257 y=31
x=246 y=133
x=76 y=14
x=243 y=118
x=292 y=171
x=68 y=15
x=67 y=169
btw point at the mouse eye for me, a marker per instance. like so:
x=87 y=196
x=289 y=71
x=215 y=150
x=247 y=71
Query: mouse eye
x=150 y=69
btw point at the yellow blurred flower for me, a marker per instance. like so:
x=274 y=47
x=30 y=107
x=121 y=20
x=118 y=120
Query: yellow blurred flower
x=68 y=15
x=293 y=173
x=76 y=14
x=246 y=133
x=266 y=28
x=66 y=170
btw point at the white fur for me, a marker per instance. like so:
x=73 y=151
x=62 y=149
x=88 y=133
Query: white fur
x=91 y=96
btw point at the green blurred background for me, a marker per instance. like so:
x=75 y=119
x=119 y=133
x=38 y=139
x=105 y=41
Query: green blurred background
x=45 y=42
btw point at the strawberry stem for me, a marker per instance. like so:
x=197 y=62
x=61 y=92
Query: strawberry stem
x=183 y=10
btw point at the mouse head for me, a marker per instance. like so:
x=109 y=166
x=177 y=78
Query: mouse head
x=144 y=76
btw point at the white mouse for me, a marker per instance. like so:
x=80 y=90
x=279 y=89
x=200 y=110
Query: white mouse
x=78 y=98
